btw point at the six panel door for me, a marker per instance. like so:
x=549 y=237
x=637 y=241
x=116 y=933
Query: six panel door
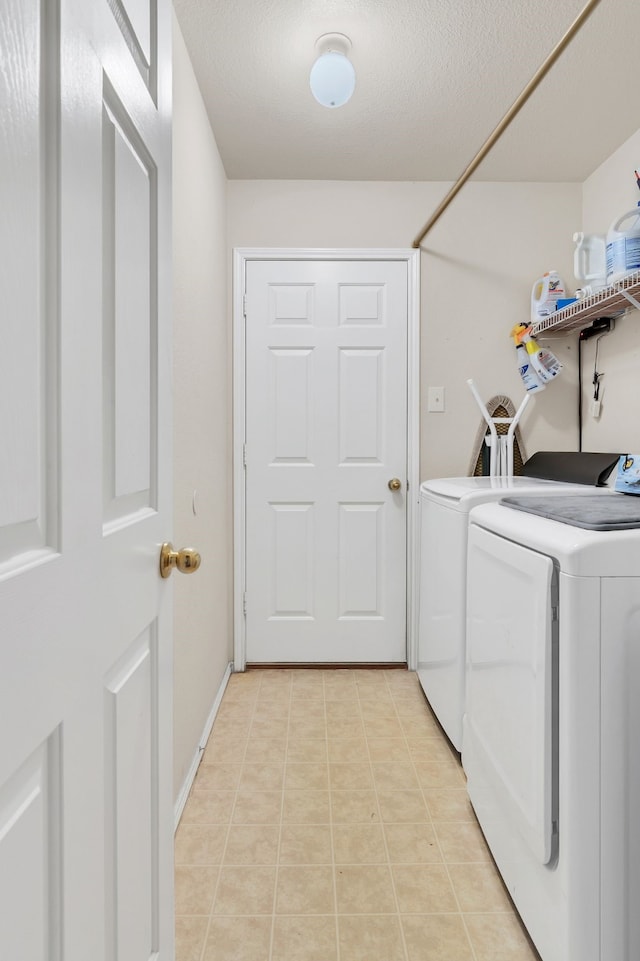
x=86 y=812
x=326 y=401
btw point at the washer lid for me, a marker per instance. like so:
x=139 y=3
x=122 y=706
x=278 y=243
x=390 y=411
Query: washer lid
x=619 y=512
x=462 y=493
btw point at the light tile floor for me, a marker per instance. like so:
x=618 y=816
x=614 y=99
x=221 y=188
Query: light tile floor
x=329 y=821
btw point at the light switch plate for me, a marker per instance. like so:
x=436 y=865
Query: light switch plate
x=435 y=400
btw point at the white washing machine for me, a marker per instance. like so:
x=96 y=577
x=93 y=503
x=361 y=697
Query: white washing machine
x=550 y=734
x=445 y=504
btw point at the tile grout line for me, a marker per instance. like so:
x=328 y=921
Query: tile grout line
x=230 y=822
x=284 y=774
x=331 y=834
x=384 y=833
x=444 y=861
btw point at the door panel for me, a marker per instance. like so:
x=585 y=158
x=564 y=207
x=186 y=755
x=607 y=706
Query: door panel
x=291 y=390
x=292 y=563
x=361 y=405
x=30 y=866
x=137 y=20
x=362 y=304
x=128 y=273
x=326 y=402
x=138 y=13
x=360 y=560
x=131 y=762
x=291 y=304
x=28 y=200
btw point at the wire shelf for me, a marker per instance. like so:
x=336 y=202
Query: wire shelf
x=610 y=302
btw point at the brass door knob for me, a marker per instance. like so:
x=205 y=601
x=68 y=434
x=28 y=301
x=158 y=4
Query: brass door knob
x=395 y=484
x=186 y=560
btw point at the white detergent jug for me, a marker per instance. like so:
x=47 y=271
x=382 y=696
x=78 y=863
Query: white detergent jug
x=545 y=294
x=623 y=246
x=590 y=260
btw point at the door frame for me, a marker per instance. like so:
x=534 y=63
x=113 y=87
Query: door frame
x=241 y=256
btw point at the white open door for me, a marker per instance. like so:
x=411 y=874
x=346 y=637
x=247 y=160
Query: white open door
x=85 y=645
x=326 y=460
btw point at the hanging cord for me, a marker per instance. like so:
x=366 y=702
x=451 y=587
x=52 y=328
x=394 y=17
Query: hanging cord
x=597 y=375
x=601 y=326
x=580 y=338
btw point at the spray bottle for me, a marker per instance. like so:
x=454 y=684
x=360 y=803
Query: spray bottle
x=530 y=379
x=546 y=365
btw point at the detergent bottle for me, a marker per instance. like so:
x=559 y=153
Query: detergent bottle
x=590 y=261
x=623 y=246
x=546 y=365
x=545 y=294
x=530 y=379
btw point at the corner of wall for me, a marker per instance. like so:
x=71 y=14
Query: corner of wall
x=202 y=410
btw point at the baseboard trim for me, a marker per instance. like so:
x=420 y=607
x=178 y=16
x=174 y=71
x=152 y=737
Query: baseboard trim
x=327 y=666
x=204 y=737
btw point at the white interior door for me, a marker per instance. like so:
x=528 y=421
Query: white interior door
x=85 y=646
x=326 y=430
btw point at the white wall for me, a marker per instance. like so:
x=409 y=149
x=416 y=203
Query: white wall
x=609 y=192
x=203 y=634
x=478 y=267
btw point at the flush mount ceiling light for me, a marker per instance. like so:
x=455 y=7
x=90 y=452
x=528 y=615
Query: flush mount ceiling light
x=332 y=78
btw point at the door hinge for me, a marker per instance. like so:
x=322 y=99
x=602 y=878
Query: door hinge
x=244 y=456
x=554 y=613
x=244 y=305
x=244 y=603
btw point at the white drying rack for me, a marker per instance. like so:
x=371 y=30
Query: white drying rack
x=500 y=445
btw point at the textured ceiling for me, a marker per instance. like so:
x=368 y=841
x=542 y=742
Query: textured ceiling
x=434 y=77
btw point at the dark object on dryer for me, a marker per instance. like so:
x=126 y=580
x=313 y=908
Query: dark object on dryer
x=593 y=512
x=573 y=467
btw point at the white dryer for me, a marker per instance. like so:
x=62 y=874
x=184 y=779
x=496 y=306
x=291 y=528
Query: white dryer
x=550 y=734
x=445 y=504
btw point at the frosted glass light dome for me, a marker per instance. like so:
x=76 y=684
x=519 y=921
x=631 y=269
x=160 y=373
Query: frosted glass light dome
x=332 y=79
